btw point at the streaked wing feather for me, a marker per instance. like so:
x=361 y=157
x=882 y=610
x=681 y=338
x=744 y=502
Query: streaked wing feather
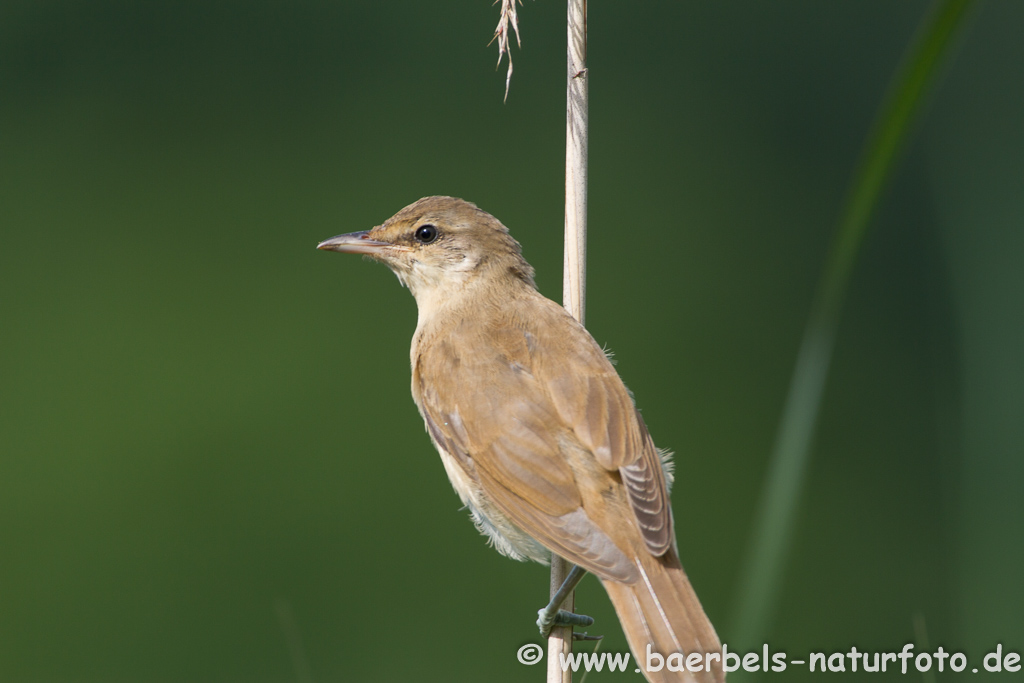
x=645 y=483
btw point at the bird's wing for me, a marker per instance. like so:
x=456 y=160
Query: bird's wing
x=589 y=395
x=519 y=420
x=490 y=414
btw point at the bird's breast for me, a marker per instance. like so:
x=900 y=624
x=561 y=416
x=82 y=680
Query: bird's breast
x=436 y=367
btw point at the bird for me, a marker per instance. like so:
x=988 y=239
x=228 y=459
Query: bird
x=536 y=431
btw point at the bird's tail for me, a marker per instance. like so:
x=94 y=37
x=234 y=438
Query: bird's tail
x=665 y=624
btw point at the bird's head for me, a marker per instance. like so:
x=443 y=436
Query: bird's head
x=438 y=245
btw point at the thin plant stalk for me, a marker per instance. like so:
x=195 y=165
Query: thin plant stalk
x=574 y=266
x=791 y=453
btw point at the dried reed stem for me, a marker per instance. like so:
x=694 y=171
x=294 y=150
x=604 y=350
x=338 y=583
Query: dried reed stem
x=574 y=272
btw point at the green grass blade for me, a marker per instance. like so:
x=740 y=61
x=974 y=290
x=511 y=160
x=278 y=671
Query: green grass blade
x=791 y=452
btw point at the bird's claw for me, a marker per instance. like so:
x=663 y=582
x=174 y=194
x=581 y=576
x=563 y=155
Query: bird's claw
x=547 y=619
x=585 y=636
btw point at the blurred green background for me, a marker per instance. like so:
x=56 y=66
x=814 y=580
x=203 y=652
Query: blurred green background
x=210 y=465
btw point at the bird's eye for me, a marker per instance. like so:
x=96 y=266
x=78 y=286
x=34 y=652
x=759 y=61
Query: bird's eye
x=425 y=234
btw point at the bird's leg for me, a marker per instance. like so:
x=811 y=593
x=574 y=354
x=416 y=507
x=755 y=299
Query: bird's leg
x=551 y=615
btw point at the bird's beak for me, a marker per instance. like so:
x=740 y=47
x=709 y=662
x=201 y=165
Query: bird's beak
x=354 y=243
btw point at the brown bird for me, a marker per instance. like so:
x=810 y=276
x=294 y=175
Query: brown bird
x=537 y=433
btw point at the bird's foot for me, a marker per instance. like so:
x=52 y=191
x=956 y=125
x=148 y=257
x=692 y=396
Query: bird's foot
x=551 y=616
x=547 y=619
